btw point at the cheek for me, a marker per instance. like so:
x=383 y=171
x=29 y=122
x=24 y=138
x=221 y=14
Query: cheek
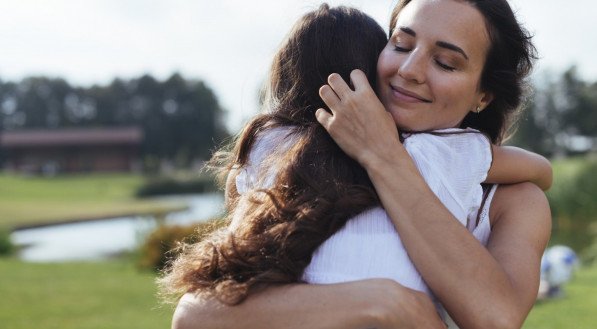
x=386 y=63
x=458 y=95
x=454 y=104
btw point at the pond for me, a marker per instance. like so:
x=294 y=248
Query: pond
x=100 y=239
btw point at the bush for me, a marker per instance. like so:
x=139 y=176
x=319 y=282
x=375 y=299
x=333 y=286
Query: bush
x=6 y=246
x=589 y=254
x=160 y=247
x=573 y=203
x=171 y=185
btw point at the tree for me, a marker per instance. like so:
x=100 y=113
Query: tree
x=181 y=119
x=561 y=118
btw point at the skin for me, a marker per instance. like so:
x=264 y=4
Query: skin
x=423 y=83
x=501 y=281
x=492 y=287
x=512 y=165
x=429 y=78
x=374 y=303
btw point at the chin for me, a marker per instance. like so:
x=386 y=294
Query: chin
x=407 y=120
x=404 y=124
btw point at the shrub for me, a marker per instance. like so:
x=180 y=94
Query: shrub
x=589 y=254
x=171 y=185
x=161 y=245
x=6 y=246
x=573 y=204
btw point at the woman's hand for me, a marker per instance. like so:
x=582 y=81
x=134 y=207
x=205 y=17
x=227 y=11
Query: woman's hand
x=358 y=121
x=373 y=303
x=497 y=285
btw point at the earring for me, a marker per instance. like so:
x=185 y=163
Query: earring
x=478 y=109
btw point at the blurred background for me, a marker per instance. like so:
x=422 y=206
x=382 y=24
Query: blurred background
x=109 y=110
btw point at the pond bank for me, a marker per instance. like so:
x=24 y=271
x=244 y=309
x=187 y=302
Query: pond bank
x=102 y=239
x=159 y=211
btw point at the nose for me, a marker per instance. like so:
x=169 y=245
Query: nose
x=413 y=67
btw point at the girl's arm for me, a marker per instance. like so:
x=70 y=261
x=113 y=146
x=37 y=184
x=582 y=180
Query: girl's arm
x=492 y=287
x=374 y=303
x=515 y=165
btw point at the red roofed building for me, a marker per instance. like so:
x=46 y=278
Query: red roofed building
x=72 y=150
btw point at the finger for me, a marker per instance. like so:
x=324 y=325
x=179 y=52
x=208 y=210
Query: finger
x=323 y=117
x=359 y=80
x=339 y=86
x=329 y=97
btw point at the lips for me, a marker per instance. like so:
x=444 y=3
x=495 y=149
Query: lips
x=407 y=96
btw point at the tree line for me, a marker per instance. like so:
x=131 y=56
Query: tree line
x=560 y=116
x=181 y=119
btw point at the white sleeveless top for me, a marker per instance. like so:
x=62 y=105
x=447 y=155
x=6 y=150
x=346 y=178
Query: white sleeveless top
x=453 y=162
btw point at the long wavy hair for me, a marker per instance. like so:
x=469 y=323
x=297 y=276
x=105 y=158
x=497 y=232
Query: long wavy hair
x=509 y=61
x=317 y=186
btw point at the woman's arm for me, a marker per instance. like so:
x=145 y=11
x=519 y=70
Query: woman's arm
x=375 y=303
x=480 y=288
x=515 y=165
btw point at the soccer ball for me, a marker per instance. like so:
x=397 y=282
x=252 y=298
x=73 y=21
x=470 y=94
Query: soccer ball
x=557 y=268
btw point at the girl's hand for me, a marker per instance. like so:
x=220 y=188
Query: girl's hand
x=358 y=121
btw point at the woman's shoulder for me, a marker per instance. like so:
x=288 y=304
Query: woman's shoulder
x=523 y=201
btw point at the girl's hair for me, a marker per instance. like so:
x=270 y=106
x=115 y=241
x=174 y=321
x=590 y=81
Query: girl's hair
x=509 y=61
x=317 y=186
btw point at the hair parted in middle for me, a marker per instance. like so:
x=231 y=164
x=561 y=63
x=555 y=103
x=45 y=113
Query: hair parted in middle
x=317 y=186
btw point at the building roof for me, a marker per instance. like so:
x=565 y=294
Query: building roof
x=71 y=137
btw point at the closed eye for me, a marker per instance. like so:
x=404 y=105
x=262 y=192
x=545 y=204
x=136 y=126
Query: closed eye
x=444 y=66
x=401 y=49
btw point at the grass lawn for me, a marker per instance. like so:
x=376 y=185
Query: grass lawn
x=26 y=200
x=115 y=295
x=79 y=295
x=576 y=309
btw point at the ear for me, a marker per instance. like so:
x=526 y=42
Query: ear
x=484 y=100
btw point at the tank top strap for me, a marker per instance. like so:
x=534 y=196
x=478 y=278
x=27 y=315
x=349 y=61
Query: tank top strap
x=482 y=230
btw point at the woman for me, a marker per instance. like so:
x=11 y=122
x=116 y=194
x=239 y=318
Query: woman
x=437 y=67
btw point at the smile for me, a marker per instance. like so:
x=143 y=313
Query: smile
x=407 y=96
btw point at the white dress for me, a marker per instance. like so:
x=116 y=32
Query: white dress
x=453 y=162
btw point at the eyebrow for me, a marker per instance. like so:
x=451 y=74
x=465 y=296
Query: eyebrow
x=450 y=46
x=408 y=31
x=441 y=44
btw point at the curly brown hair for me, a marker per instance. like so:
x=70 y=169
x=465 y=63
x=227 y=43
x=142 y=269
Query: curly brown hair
x=317 y=186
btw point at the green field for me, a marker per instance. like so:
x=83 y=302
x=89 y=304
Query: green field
x=575 y=309
x=116 y=295
x=78 y=295
x=27 y=200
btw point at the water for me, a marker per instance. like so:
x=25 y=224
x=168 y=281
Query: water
x=96 y=240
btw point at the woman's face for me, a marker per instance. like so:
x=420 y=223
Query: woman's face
x=429 y=72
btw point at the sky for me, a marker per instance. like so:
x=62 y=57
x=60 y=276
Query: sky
x=226 y=43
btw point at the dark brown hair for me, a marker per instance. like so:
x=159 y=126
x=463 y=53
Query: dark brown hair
x=317 y=186
x=509 y=61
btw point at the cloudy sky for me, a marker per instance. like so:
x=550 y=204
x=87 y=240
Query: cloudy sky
x=227 y=43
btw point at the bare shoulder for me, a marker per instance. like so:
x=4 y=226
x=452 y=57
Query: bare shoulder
x=524 y=201
x=521 y=227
